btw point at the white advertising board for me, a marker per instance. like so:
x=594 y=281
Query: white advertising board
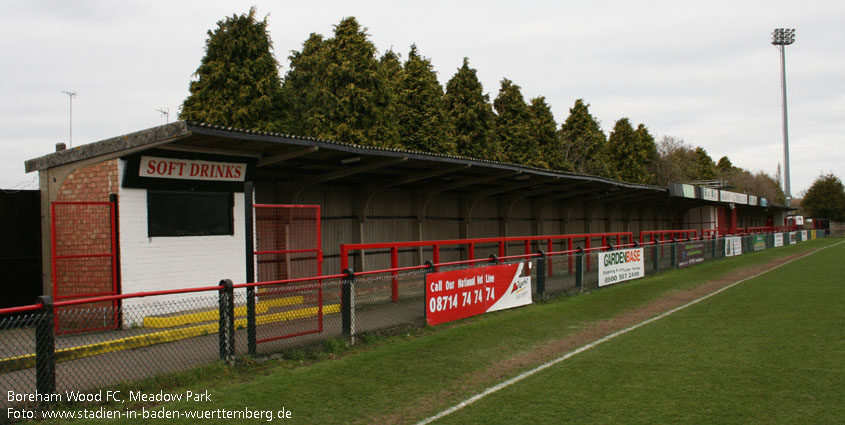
x=619 y=266
x=778 y=240
x=733 y=197
x=733 y=246
x=804 y=236
x=710 y=194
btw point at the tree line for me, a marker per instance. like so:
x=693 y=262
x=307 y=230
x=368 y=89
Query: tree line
x=339 y=88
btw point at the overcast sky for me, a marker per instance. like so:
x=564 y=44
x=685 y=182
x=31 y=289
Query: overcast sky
x=702 y=71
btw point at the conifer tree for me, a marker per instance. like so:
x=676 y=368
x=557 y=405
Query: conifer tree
x=237 y=83
x=724 y=164
x=423 y=124
x=647 y=154
x=629 y=156
x=543 y=129
x=347 y=93
x=705 y=168
x=303 y=116
x=391 y=69
x=471 y=115
x=391 y=65
x=583 y=142
x=512 y=125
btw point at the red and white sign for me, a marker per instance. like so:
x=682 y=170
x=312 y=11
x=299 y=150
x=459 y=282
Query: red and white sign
x=464 y=293
x=186 y=169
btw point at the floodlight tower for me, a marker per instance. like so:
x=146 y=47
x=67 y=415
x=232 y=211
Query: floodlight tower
x=781 y=38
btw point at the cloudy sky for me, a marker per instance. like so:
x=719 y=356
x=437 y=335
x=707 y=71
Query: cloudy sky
x=701 y=71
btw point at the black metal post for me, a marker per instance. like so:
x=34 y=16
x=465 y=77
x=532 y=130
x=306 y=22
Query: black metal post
x=713 y=247
x=226 y=322
x=230 y=294
x=249 y=244
x=655 y=257
x=541 y=274
x=347 y=302
x=430 y=266
x=117 y=314
x=674 y=254
x=579 y=268
x=45 y=346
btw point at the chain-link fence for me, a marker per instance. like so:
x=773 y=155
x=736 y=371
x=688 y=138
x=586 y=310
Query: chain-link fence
x=41 y=353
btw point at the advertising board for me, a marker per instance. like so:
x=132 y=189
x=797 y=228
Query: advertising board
x=457 y=294
x=804 y=236
x=709 y=194
x=778 y=240
x=733 y=246
x=690 y=253
x=619 y=266
x=759 y=242
x=733 y=197
x=791 y=238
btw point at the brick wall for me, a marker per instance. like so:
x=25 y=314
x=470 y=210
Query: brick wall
x=84 y=230
x=94 y=183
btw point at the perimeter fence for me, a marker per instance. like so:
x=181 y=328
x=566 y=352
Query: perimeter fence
x=171 y=331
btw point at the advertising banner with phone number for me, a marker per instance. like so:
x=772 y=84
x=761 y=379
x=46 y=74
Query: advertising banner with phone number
x=619 y=266
x=464 y=293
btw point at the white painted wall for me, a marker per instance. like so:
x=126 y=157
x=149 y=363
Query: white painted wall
x=163 y=263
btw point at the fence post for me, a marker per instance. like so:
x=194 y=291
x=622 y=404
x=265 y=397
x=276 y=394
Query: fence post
x=251 y=338
x=655 y=259
x=579 y=269
x=674 y=254
x=541 y=274
x=249 y=245
x=713 y=247
x=347 y=302
x=45 y=346
x=226 y=323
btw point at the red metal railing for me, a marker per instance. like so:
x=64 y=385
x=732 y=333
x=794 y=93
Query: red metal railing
x=470 y=245
x=663 y=235
x=393 y=271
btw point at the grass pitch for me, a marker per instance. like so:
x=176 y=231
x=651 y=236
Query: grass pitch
x=769 y=350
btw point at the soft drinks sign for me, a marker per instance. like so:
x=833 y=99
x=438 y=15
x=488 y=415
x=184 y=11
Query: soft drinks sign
x=186 y=169
x=464 y=293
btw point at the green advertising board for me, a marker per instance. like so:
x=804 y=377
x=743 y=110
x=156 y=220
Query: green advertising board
x=759 y=242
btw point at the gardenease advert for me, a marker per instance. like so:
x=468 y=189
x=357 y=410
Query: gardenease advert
x=619 y=266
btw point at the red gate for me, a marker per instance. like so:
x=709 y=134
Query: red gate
x=288 y=245
x=84 y=264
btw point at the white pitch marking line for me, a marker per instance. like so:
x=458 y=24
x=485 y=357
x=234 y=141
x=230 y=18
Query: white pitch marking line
x=581 y=349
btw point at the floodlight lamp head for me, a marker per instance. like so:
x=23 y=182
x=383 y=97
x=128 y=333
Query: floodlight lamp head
x=783 y=37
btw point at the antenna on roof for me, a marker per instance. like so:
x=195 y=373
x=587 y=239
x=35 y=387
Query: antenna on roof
x=71 y=95
x=165 y=112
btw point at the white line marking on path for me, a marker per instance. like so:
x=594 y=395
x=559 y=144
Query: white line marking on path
x=597 y=342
